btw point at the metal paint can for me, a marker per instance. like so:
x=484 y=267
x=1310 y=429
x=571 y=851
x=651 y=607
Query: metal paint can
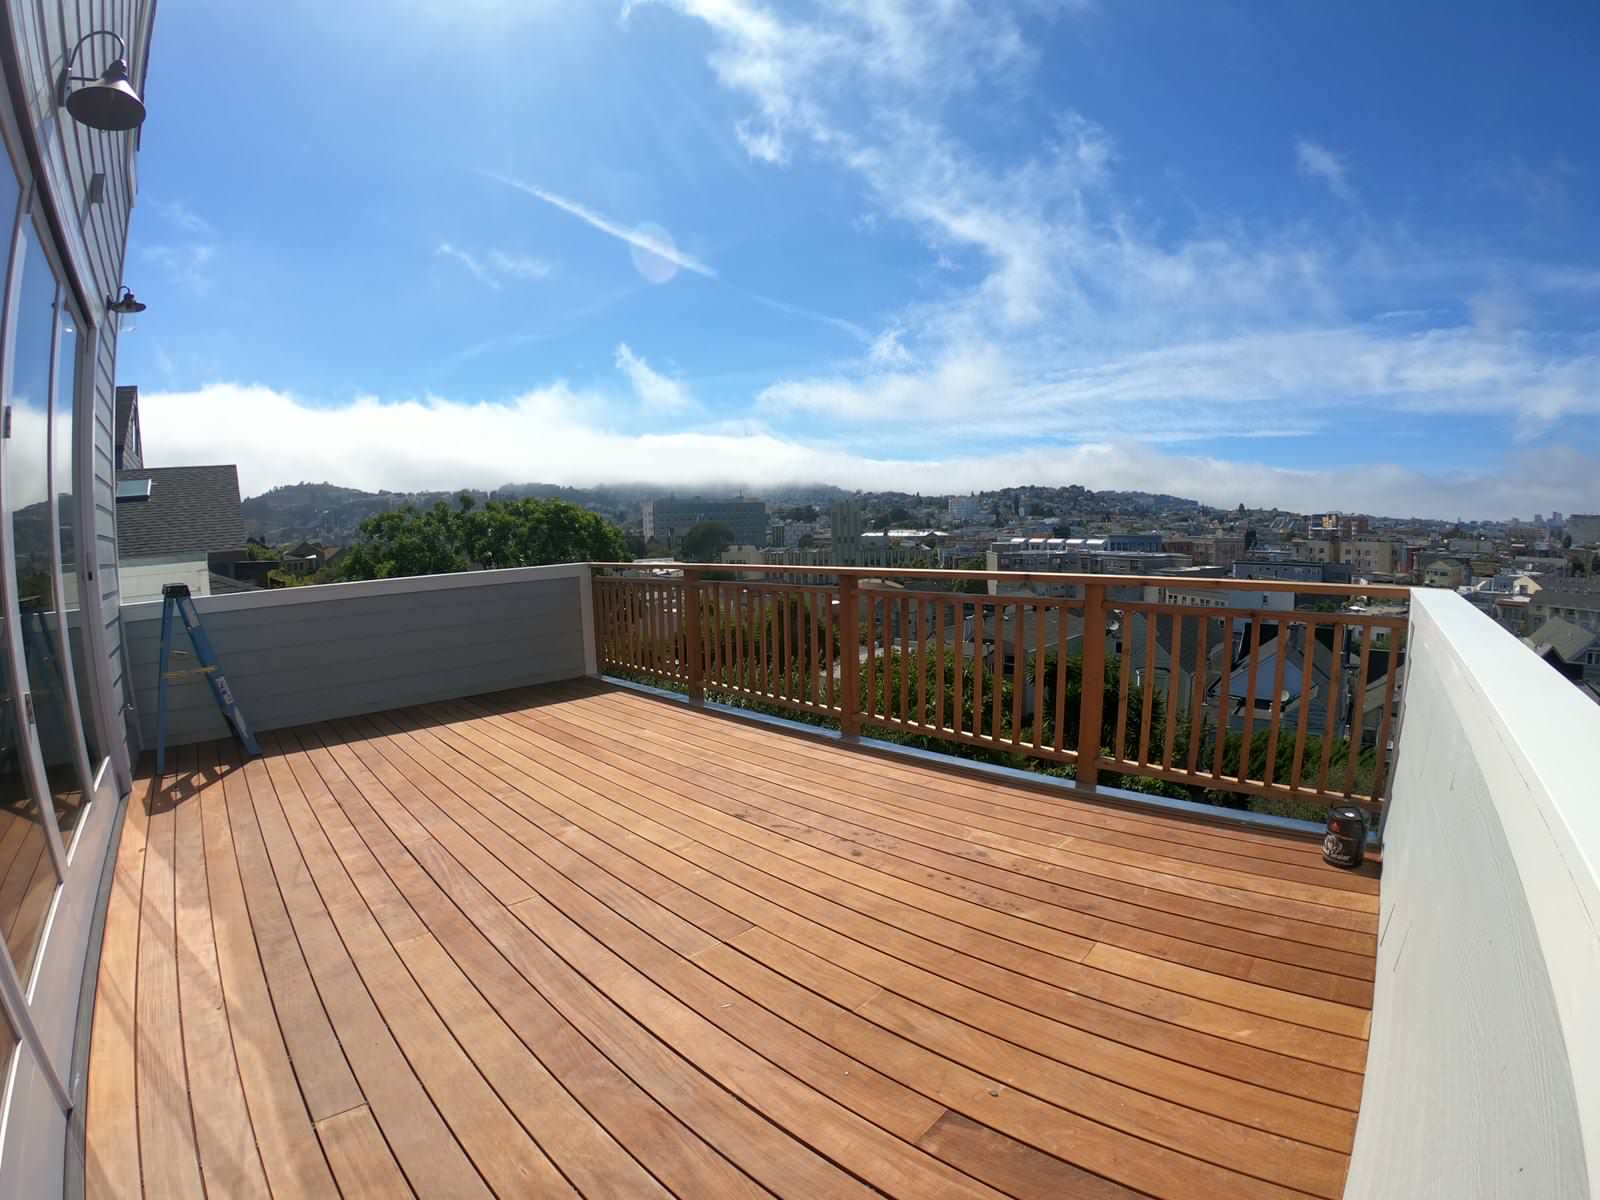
x=1345 y=843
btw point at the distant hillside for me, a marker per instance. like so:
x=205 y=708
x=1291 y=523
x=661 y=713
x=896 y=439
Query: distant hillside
x=328 y=513
x=321 y=512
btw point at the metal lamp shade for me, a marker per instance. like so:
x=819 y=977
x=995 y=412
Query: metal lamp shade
x=109 y=103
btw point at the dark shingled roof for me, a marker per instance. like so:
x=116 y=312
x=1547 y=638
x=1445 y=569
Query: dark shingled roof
x=190 y=510
x=1569 y=641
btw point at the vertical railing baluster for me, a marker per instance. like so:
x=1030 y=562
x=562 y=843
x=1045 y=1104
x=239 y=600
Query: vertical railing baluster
x=694 y=656
x=957 y=684
x=849 y=657
x=1147 y=690
x=1358 y=716
x=1063 y=642
x=1038 y=673
x=997 y=674
x=1275 y=710
x=1224 y=695
x=1093 y=684
x=791 y=632
x=1174 y=688
x=1124 y=686
x=1333 y=702
x=900 y=658
x=1254 y=667
x=939 y=653
x=922 y=664
x=1197 y=702
x=1380 y=769
x=1019 y=670
x=1302 y=724
x=978 y=668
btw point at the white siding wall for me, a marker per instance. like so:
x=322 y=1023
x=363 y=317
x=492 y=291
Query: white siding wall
x=1483 y=1075
x=95 y=244
x=296 y=655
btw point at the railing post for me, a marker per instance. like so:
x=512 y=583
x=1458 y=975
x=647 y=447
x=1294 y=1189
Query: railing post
x=849 y=657
x=693 y=650
x=1093 y=684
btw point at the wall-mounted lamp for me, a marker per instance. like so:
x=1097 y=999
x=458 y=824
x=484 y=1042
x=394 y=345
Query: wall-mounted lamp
x=106 y=101
x=124 y=303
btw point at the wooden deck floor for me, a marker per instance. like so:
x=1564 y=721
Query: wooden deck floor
x=581 y=940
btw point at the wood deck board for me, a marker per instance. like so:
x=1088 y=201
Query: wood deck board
x=580 y=940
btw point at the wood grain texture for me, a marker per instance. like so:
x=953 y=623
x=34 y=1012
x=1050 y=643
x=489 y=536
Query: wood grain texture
x=578 y=940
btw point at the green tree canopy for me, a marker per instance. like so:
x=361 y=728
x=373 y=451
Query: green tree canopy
x=514 y=533
x=705 y=542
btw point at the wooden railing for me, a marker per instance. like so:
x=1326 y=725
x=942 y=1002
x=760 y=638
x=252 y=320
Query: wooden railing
x=1286 y=703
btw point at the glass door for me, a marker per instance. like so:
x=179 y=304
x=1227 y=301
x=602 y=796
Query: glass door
x=34 y=803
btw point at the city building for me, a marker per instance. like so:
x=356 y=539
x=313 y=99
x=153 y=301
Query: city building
x=1292 y=571
x=1573 y=600
x=1584 y=529
x=668 y=518
x=1372 y=557
x=1446 y=572
x=1339 y=526
x=963 y=510
x=1207 y=550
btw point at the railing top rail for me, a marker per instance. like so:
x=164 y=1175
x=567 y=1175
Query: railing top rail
x=1380 y=591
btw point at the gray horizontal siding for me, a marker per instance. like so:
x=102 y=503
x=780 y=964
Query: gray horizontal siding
x=364 y=651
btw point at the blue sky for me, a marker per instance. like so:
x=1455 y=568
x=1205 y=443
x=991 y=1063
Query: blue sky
x=1313 y=255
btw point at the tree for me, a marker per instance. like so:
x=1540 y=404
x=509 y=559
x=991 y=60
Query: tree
x=808 y=541
x=1249 y=539
x=1566 y=541
x=705 y=542
x=1061 y=531
x=441 y=539
x=636 y=544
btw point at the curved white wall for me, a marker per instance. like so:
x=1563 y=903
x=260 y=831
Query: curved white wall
x=1483 y=1075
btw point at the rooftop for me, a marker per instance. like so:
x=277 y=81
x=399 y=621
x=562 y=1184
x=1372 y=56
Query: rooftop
x=190 y=510
x=483 y=945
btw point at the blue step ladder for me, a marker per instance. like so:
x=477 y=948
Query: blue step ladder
x=175 y=598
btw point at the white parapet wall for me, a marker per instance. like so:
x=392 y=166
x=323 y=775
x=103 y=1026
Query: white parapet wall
x=315 y=653
x=1483 y=1074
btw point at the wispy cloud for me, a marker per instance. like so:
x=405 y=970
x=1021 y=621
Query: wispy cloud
x=470 y=261
x=519 y=266
x=496 y=265
x=656 y=392
x=649 y=242
x=1322 y=163
x=187 y=263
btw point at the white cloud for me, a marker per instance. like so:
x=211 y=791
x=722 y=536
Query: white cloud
x=469 y=261
x=558 y=435
x=640 y=239
x=656 y=392
x=186 y=263
x=494 y=266
x=1322 y=163
x=519 y=266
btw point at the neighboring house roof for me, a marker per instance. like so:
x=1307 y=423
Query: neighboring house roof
x=1567 y=641
x=1564 y=595
x=221 y=584
x=191 y=510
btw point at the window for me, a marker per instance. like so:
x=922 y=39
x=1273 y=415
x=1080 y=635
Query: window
x=30 y=875
x=28 y=456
